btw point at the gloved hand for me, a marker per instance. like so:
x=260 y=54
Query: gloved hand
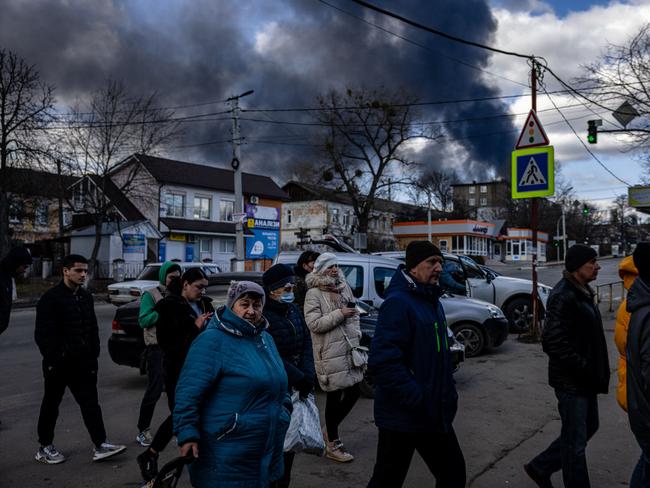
x=304 y=386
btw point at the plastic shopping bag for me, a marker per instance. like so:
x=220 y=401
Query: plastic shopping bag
x=304 y=433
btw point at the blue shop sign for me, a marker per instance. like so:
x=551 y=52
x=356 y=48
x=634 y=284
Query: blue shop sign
x=133 y=243
x=263 y=244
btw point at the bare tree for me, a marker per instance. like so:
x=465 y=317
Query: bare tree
x=622 y=74
x=25 y=108
x=365 y=143
x=434 y=187
x=103 y=132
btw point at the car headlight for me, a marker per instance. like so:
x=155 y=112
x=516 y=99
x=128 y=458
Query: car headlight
x=495 y=312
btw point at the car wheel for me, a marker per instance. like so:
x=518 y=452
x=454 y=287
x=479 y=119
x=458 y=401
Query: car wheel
x=520 y=315
x=471 y=337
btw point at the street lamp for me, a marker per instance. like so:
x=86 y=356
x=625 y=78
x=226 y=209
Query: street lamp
x=239 y=197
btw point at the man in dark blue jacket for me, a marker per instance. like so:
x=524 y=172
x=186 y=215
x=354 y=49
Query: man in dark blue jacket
x=415 y=392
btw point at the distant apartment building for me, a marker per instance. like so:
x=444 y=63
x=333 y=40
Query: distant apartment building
x=484 y=200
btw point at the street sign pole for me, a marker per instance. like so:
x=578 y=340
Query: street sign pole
x=533 y=218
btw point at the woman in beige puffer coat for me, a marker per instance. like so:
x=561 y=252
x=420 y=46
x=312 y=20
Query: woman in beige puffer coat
x=330 y=319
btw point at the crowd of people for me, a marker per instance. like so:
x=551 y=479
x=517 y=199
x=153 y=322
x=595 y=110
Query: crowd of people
x=228 y=373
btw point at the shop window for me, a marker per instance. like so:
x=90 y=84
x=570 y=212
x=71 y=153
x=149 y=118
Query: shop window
x=443 y=245
x=227 y=245
x=515 y=248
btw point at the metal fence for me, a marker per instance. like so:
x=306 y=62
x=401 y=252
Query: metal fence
x=610 y=293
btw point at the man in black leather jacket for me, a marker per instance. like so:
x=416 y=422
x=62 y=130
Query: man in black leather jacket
x=578 y=369
x=67 y=335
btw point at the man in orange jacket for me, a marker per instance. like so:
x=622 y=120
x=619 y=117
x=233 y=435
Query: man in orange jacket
x=628 y=273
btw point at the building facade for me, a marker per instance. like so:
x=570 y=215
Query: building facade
x=485 y=200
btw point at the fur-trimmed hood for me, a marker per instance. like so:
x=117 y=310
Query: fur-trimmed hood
x=325 y=282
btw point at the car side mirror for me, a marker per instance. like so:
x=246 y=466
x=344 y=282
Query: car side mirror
x=488 y=277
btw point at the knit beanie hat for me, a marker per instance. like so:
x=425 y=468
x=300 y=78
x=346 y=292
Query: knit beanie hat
x=324 y=261
x=277 y=276
x=577 y=255
x=641 y=258
x=239 y=288
x=418 y=251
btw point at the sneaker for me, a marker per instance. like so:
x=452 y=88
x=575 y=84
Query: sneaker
x=49 y=455
x=336 y=451
x=107 y=450
x=541 y=481
x=148 y=463
x=144 y=438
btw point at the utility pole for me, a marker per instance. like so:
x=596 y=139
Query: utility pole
x=429 y=216
x=239 y=196
x=535 y=332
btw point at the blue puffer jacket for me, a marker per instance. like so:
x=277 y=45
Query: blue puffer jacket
x=409 y=360
x=232 y=399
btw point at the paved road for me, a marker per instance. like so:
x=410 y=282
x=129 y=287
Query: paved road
x=507 y=414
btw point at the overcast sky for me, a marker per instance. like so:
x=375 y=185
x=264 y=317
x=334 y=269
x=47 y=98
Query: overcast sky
x=292 y=51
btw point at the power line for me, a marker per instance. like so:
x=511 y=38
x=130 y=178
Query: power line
x=420 y=45
x=584 y=145
x=438 y=32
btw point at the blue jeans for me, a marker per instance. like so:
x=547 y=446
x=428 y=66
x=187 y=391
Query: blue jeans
x=579 y=414
x=641 y=474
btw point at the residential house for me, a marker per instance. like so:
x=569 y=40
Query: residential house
x=38 y=211
x=193 y=207
x=317 y=210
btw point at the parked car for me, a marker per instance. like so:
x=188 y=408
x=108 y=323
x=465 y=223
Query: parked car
x=127 y=291
x=476 y=324
x=126 y=343
x=512 y=295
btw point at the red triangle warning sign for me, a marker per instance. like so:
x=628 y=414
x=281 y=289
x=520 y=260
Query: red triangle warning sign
x=532 y=134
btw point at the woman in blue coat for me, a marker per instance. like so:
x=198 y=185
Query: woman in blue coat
x=232 y=407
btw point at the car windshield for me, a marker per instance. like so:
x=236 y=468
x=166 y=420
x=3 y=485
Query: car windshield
x=150 y=272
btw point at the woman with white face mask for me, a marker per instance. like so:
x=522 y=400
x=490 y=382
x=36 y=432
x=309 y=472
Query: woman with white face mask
x=292 y=338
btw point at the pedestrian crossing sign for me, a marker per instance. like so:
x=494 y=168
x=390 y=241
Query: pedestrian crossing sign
x=533 y=172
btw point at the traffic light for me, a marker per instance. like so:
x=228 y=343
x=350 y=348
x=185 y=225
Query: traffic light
x=585 y=210
x=592 y=135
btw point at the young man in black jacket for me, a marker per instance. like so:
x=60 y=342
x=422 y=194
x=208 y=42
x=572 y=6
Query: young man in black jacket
x=578 y=369
x=67 y=336
x=638 y=363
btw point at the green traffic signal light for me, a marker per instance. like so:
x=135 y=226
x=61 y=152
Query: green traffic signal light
x=585 y=210
x=592 y=133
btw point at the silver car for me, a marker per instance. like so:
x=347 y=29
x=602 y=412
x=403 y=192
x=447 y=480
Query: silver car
x=476 y=324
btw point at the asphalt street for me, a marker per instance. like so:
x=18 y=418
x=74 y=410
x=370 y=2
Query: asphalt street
x=507 y=414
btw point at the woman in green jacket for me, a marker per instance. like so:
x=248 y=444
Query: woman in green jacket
x=147 y=319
